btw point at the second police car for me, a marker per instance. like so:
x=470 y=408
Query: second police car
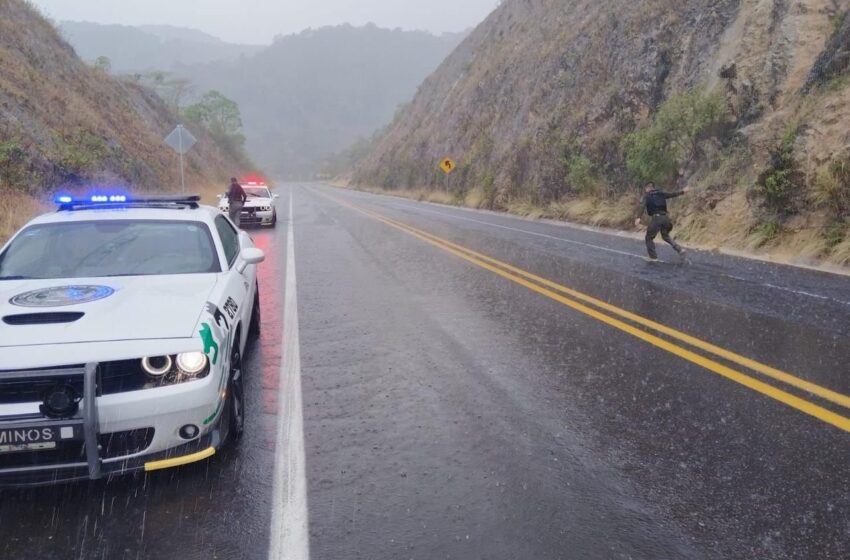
x=259 y=209
x=123 y=322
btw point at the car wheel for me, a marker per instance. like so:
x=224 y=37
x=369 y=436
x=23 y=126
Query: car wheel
x=274 y=218
x=235 y=397
x=256 y=317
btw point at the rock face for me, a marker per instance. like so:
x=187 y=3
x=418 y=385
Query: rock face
x=65 y=124
x=541 y=80
x=835 y=58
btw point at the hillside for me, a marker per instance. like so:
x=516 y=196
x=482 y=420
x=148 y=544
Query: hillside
x=66 y=125
x=561 y=107
x=149 y=47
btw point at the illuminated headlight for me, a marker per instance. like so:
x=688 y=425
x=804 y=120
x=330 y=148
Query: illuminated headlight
x=168 y=370
x=157 y=366
x=191 y=363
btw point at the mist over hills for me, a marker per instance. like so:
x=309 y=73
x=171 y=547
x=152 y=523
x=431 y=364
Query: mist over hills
x=149 y=47
x=303 y=98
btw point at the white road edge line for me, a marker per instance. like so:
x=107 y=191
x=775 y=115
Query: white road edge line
x=289 y=534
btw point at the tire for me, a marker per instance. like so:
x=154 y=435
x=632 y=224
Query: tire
x=274 y=219
x=235 y=397
x=256 y=316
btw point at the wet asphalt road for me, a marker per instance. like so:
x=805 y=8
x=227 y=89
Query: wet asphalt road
x=450 y=412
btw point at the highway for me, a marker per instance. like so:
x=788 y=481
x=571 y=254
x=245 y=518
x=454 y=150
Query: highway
x=440 y=383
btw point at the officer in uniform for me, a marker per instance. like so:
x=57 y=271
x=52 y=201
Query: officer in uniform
x=655 y=202
x=236 y=198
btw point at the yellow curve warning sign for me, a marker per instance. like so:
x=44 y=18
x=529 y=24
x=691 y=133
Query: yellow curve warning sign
x=447 y=165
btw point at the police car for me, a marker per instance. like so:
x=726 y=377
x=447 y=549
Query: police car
x=123 y=321
x=259 y=209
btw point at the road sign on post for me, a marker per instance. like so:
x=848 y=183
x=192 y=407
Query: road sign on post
x=447 y=165
x=181 y=141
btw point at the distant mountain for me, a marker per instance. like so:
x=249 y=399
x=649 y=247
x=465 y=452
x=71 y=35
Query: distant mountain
x=149 y=47
x=304 y=98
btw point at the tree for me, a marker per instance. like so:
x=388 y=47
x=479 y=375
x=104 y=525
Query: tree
x=103 y=63
x=221 y=117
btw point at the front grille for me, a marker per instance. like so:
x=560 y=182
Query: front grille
x=120 y=444
x=65 y=452
x=17 y=391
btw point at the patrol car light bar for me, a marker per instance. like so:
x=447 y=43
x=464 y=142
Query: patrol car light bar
x=70 y=202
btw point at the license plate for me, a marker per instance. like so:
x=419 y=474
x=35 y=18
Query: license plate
x=35 y=438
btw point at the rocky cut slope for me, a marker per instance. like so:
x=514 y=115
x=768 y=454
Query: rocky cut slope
x=64 y=124
x=561 y=107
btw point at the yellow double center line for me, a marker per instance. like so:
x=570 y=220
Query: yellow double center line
x=582 y=303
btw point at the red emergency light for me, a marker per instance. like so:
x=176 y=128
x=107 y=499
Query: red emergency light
x=253 y=180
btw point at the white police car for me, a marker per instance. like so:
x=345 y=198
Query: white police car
x=259 y=209
x=122 y=327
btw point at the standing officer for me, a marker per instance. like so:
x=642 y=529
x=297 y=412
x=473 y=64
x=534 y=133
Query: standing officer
x=655 y=202
x=236 y=198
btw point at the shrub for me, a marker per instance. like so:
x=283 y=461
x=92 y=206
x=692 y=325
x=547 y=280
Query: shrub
x=767 y=230
x=690 y=118
x=779 y=181
x=674 y=138
x=13 y=164
x=81 y=151
x=832 y=188
x=488 y=186
x=581 y=177
x=648 y=155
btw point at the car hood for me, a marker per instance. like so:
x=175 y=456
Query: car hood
x=138 y=308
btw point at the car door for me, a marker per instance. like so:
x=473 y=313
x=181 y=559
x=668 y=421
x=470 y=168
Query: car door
x=236 y=297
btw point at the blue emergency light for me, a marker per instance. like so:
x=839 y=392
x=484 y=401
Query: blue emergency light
x=106 y=200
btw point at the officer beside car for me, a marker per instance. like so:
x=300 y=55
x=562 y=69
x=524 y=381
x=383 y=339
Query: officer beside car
x=236 y=198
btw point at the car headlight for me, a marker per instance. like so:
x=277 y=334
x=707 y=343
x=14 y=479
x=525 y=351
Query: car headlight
x=191 y=363
x=168 y=370
x=157 y=366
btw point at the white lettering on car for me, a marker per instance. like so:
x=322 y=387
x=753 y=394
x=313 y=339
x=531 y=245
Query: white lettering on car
x=31 y=435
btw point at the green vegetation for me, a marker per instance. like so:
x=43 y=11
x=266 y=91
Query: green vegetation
x=767 y=230
x=780 y=180
x=581 y=176
x=103 y=63
x=675 y=137
x=221 y=117
x=14 y=165
x=80 y=151
x=648 y=155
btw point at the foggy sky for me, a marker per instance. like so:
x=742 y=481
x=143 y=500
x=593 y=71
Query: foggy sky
x=258 y=21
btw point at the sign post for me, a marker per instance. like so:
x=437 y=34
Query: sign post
x=447 y=165
x=181 y=141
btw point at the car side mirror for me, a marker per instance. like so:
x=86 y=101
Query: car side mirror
x=275 y=195
x=250 y=255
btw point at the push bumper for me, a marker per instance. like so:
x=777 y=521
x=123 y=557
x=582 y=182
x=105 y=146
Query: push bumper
x=149 y=420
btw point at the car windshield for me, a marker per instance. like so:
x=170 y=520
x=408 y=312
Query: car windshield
x=96 y=249
x=257 y=192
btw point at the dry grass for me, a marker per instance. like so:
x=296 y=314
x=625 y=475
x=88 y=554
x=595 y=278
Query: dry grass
x=15 y=210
